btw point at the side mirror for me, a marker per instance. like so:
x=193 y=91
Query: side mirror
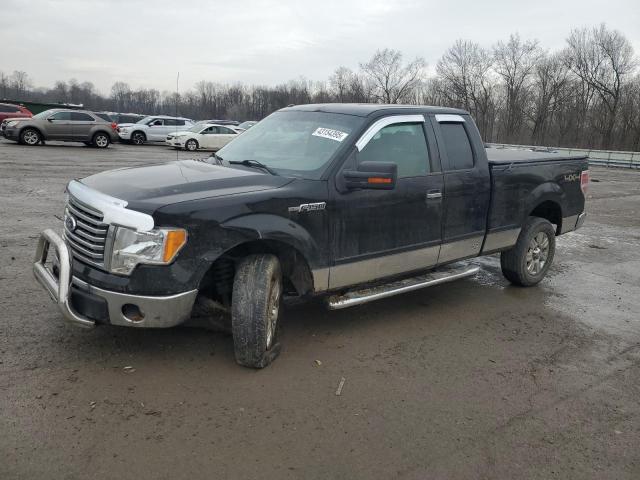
x=50 y=119
x=372 y=175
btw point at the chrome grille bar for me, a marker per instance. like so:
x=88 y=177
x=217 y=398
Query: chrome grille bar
x=87 y=237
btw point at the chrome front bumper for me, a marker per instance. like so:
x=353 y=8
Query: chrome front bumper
x=154 y=311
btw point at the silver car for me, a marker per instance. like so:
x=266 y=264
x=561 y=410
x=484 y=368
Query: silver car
x=62 y=125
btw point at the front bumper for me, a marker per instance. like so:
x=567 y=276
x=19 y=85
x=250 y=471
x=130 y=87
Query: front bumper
x=121 y=309
x=124 y=135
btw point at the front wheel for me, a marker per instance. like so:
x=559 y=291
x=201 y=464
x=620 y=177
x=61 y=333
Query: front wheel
x=191 y=145
x=30 y=136
x=527 y=263
x=138 y=138
x=255 y=310
x=101 y=140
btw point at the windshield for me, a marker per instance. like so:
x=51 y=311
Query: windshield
x=197 y=128
x=44 y=114
x=294 y=143
x=145 y=119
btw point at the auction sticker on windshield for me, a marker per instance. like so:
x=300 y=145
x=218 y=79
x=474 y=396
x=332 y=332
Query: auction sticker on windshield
x=336 y=135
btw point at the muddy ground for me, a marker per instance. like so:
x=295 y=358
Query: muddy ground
x=473 y=379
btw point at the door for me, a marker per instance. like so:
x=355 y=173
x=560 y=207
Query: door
x=381 y=233
x=207 y=138
x=59 y=126
x=82 y=124
x=225 y=135
x=156 y=130
x=466 y=186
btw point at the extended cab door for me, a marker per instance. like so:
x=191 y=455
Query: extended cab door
x=467 y=186
x=381 y=233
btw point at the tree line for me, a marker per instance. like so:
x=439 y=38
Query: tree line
x=585 y=95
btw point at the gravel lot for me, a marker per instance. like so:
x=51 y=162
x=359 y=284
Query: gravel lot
x=473 y=379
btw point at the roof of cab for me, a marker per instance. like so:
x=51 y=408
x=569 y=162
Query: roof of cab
x=368 y=109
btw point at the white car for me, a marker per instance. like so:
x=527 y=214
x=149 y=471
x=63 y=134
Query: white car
x=152 y=129
x=203 y=136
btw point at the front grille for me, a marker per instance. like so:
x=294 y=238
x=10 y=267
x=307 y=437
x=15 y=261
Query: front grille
x=88 y=239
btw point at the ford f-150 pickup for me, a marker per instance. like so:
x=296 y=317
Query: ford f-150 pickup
x=349 y=202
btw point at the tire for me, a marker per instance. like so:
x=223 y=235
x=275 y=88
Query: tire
x=138 y=138
x=527 y=263
x=30 y=136
x=191 y=145
x=101 y=140
x=255 y=310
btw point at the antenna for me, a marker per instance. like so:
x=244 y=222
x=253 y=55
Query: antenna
x=177 y=99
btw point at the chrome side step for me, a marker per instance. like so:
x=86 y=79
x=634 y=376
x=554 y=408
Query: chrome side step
x=434 y=277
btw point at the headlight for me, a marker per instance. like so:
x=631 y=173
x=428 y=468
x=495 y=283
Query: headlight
x=157 y=247
x=124 y=130
x=12 y=124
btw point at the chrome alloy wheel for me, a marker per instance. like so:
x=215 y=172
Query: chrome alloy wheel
x=537 y=253
x=273 y=309
x=31 y=137
x=101 y=141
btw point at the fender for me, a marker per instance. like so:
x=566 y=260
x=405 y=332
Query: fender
x=264 y=226
x=548 y=191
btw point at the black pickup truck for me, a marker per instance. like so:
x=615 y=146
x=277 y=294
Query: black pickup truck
x=349 y=202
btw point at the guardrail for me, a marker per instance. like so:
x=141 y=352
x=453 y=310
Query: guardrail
x=606 y=158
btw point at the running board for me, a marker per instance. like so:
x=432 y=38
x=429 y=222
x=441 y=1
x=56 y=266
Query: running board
x=434 y=277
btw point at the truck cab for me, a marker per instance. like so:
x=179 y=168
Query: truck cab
x=349 y=202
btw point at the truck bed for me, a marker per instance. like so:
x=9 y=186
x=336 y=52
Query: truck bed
x=502 y=156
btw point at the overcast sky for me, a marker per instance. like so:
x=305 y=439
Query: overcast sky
x=145 y=42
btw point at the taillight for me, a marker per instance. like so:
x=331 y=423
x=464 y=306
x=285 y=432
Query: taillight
x=584 y=182
x=114 y=126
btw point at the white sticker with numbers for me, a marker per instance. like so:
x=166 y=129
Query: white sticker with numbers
x=336 y=135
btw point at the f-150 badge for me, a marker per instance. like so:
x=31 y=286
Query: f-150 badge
x=308 y=207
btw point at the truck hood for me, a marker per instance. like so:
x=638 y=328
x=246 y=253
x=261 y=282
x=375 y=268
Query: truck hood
x=151 y=187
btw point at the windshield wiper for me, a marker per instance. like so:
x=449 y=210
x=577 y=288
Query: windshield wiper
x=254 y=164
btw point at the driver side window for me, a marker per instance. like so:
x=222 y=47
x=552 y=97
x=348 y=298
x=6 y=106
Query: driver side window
x=155 y=123
x=401 y=143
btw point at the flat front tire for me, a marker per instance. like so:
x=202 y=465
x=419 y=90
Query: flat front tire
x=527 y=263
x=255 y=310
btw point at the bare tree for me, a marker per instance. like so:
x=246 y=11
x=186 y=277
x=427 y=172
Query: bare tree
x=551 y=90
x=514 y=61
x=20 y=83
x=603 y=59
x=392 y=81
x=466 y=81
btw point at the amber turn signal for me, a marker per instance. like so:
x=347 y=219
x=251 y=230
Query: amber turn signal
x=378 y=180
x=174 y=241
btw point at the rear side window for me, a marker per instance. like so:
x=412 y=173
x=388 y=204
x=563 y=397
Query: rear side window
x=402 y=143
x=226 y=131
x=81 y=117
x=104 y=117
x=170 y=122
x=179 y=123
x=457 y=146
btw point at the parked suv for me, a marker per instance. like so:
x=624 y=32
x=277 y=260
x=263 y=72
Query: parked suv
x=152 y=129
x=60 y=124
x=8 y=110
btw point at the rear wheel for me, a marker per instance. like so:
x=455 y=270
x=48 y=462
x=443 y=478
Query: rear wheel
x=191 y=145
x=527 y=263
x=101 y=140
x=30 y=136
x=255 y=310
x=138 y=138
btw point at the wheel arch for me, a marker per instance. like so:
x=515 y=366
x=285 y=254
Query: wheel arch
x=546 y=202
x=32 y=127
